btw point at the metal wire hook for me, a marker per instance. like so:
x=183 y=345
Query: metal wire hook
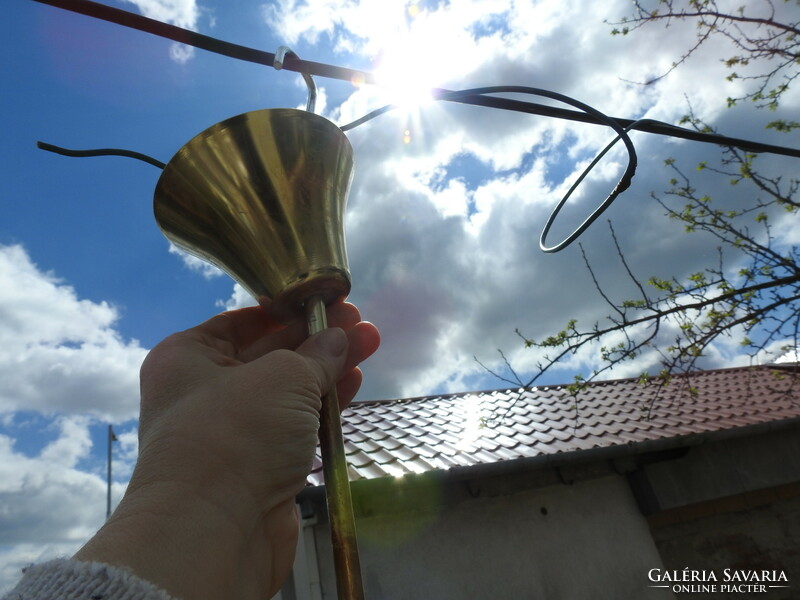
x=280 y=55
x=622 y=185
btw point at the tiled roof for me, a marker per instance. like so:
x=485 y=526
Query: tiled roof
x=397 y=437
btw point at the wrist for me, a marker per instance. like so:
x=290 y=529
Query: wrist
x=198 y=540
x=191 y=549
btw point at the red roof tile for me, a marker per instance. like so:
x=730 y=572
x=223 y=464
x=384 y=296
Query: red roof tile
x=393 y=438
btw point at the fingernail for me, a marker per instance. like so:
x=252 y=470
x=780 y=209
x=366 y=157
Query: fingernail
x=333 y=341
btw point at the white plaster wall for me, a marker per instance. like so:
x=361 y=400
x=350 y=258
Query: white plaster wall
x=572 y=542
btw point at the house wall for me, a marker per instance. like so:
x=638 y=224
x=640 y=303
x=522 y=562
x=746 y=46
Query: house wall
x=586 y=540
x=726 y=468
x=732 y=504
x=579 y=531
x=760 y=537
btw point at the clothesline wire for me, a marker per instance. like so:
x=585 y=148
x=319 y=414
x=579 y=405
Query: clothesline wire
x=292 y=63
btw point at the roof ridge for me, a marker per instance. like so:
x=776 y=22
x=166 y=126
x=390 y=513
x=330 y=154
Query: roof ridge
x=595 y=383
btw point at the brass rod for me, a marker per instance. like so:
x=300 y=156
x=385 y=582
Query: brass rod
x=337 y=484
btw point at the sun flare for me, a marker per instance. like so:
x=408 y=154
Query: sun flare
x=412 y=61
x=408 y=83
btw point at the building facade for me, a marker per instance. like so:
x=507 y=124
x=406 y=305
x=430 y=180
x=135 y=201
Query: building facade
x=625 y=491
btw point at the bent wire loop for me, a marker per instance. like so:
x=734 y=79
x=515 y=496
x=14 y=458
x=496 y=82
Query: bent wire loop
x=623 y=184
x=622 y=134
x=475 y=96
x=454 y=96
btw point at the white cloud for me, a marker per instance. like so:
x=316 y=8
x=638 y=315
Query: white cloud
x=182 y=13
x=792 y=356
x=344 y=22
x=126 y=451
x=193 y=263
x=48 y=506
x=445 y=260
x=60 y=357
x=181 y=53
x=239 y=299
x=449 y=265
x=73 y=444
x=59 y=353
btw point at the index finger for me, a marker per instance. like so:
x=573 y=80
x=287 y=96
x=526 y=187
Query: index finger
x=247 y=333
x=240 y=328
x=340 y=314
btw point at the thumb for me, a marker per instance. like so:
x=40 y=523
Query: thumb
x=326 y=353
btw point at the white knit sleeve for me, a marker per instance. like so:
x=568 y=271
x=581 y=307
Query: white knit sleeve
x=64 y=579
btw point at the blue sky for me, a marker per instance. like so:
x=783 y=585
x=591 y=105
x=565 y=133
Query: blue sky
x=442 y=231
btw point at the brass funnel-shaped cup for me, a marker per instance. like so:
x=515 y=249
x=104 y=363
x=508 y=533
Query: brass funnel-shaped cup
x=262 y=196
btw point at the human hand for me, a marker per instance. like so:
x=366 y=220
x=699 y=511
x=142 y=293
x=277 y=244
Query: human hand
x=228 y=429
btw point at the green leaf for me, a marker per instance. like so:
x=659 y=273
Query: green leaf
x=634 y=304
x=661 y=284
x=783 y=126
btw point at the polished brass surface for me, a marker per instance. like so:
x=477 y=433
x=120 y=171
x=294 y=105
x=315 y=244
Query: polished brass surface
x=347 y=565
x=262 y=196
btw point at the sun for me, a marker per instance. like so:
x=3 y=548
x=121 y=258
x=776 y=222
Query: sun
x=411 y=63
x=414 y=56
x=407 y=83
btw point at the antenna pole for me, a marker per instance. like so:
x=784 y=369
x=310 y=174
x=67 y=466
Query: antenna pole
x=111 y=438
